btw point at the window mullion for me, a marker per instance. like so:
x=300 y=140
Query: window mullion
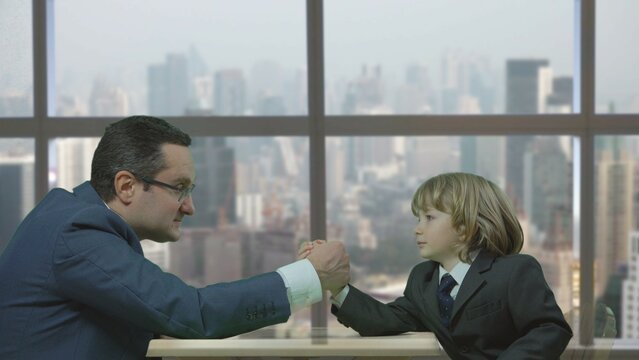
x=585 y=69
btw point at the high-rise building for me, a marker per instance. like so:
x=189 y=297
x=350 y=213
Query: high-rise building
x=168 y=86
x=73 y=161
x=215 y=193
x=485 y=156
x=431 y=156
x=206 y=255
x=15 y=104
x=269 y=105
x=548 y=197
x=17 y=193
x=415 y=95
x=158 y=253
x=560 y=100
x=335 y=166
x=614 y=170
x=265 y=251
x=528 y=83
x=467 y=85
x=365 y=94
x=107 y=100
x=230 y=92
x=630 y=292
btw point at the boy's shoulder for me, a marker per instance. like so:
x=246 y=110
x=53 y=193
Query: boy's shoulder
x=516 y=260
x=425 y=267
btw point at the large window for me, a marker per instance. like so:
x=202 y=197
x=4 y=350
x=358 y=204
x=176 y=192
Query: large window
x=17 y=190
x=617 y=57
x=462 y=57
x=371 y=181
x=318 y=119
x=16 y=80
x=207 y=58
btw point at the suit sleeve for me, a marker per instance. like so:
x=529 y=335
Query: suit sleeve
x=94 y=265
x=370 y=317
x=536 y=315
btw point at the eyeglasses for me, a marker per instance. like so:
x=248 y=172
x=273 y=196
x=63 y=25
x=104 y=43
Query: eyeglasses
x=183 y=192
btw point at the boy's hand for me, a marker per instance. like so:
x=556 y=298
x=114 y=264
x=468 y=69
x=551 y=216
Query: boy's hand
x=306 y=247
x=331 y=262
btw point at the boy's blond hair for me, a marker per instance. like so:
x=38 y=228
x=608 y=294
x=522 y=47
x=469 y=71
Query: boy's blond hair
x=479 y=210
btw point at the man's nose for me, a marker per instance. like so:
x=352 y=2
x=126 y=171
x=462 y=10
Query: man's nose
x=188 y=206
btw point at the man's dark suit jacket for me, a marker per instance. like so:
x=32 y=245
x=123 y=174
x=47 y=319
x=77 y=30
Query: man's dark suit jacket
x=74 y=284
x=504 y=309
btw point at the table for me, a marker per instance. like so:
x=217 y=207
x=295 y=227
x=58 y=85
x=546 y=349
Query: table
x=343 y=344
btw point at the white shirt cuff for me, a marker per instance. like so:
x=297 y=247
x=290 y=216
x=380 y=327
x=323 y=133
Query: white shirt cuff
x=303 y=286
x=338 y=299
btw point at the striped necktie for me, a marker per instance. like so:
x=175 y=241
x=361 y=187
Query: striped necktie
x=445 y=300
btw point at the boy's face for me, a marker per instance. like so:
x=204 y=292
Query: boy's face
x=436 y=238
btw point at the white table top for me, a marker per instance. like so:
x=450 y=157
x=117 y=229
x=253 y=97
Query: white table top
x=341 y=344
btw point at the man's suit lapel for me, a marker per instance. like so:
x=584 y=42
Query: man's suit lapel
x=473 y=281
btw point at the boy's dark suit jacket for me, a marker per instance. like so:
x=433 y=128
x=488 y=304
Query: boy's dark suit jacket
x=504 y=308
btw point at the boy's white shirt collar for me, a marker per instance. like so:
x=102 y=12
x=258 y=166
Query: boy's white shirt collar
x=458 y=272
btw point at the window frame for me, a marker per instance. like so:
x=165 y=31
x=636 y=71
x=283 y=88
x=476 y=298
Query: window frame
x=584 y=125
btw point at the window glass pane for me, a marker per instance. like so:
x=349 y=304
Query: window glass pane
x=251 y=201
x=617 y=55
x=18 y=188
x=371 y=181
x=462 y=57
x=16 y=61
x=70 y=161
x=616 y=238
x=167 y=57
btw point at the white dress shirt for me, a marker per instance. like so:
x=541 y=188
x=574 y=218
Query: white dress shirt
x=303 y=286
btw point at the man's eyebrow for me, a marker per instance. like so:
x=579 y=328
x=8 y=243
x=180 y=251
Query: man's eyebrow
x=184 y=180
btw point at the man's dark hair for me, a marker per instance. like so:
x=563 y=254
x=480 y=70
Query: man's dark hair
x=135 y=144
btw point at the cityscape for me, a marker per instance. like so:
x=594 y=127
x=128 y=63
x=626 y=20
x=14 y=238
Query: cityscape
x=252 y=195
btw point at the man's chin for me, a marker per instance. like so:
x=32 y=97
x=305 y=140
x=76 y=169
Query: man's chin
x=166 y=238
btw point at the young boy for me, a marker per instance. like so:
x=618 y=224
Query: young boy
x=476 y=294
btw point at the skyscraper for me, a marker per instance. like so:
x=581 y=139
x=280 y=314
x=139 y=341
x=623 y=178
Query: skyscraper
x=560 y=100
x=215 y=191
x=614 y=170
x=230 y=92
x=528 y=83
x=630 y=292
x=485 y=156
x=107 y=100
x=365 y=94
x=467 y=86
x=17 y=193
x=73 y=161
x=168 y=86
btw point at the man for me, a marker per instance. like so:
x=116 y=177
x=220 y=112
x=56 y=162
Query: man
x=74 y=283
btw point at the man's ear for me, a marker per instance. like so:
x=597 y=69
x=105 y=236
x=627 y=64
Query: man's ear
x=125 y=185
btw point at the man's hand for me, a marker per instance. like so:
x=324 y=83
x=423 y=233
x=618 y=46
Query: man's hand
x=331 y=262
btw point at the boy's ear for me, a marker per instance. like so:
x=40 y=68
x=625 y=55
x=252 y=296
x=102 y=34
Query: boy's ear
x=461 y=231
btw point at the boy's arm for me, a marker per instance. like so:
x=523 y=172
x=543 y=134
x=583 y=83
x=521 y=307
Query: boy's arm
x=536 y=315
x=370 y=317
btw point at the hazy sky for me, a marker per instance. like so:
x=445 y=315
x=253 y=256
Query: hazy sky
x=119 y=38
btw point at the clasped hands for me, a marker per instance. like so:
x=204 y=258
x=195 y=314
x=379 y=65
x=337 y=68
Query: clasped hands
x=331 y=262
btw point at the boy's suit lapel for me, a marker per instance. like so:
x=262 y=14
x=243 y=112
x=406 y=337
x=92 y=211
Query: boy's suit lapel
x=429 y=291
x=473 y=281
